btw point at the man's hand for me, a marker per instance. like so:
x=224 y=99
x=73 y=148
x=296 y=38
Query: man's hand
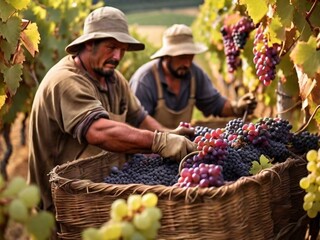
x=183 y=131
x=170 y=145
x=246 y=102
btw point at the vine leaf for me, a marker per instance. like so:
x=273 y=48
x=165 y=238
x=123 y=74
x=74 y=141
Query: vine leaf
x=263 y=163
x=305 y=56
x=255 y=168
x=277 y=31
x=285 y=11
x=30 y=38
x=18 y=4
x=257 y=9
x=10 y=30
x=6 y=10
x=12 y=77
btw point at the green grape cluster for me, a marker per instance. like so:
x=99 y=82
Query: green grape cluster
x=137 y=218
x=311 y=184
x=18 y=202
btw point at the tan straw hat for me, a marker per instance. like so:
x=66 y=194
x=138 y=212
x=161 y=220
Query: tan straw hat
x=178 y=40
x=105 y=22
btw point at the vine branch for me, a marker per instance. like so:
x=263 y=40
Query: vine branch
x=309 y=13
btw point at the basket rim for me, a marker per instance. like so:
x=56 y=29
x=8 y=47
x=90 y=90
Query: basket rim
x=88 y=186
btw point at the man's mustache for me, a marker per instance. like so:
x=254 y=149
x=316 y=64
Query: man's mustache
x=113 y=62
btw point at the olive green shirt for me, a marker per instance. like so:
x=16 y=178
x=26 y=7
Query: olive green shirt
x=66 y=102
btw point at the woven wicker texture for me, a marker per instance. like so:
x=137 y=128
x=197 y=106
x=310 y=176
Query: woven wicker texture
x=257 y=207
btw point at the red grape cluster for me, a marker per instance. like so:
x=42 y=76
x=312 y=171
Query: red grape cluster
x=212 y=147
x=241 y=31
x=266 y=57
x=231 y=51
x=205 y=175
x=234 y=38
x=250 y=133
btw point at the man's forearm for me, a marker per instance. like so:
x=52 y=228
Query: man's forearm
x=119 y=137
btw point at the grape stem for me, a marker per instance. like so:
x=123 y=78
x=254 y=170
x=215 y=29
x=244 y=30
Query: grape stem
x=309 y=120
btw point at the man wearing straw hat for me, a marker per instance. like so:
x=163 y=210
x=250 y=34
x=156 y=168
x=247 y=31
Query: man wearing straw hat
x=171 y=84
x=84 y=105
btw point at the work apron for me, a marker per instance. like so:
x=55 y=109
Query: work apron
x=168 y=117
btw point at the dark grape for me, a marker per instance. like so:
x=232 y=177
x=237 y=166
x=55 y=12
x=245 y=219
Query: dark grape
x=305 y=141
x=234 y=39
x=145 y=169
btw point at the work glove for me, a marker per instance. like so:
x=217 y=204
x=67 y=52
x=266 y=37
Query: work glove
x=183 y=131
x=169 y=145
x=246 y=102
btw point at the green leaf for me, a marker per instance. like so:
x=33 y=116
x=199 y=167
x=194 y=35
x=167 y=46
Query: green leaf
x=307 y=57
x=18 y=4
x=286 y=65
x=6 y=10
x=255 y=168
x=12 y=77
x=276 y=30
x=19 y=103
x=10 y=30
x=257 y=9
x=264 y=161
x=285 y=11
x=7 y=49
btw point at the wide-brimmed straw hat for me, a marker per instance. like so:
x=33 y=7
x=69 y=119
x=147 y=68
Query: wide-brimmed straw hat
x=178 y=40
x=105 y=22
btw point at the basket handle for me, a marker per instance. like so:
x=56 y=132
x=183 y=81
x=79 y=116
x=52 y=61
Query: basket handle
x=185 y=158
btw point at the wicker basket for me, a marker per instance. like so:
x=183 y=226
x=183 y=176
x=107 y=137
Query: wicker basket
x=256 y=207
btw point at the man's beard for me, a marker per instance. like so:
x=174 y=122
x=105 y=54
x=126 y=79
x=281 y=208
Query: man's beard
x=108 y=73
x=176 y=73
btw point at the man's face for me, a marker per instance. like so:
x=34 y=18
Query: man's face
x=106 y=56
x=179 y=66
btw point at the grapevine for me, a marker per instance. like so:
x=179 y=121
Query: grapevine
x=287 y=35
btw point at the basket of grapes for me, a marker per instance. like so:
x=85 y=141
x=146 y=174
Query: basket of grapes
x=225 y=190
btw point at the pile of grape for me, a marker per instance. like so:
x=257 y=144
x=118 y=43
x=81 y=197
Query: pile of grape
x=205 y=175
x=138 y=217
x=236 y=146
x=225 y=154
x=311 y=184
x=18 y=220
x=145 y=169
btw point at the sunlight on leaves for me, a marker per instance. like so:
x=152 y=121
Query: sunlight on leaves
x=305 y=55
x=257 y=9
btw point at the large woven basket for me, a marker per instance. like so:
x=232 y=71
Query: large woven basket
x=258 y=207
